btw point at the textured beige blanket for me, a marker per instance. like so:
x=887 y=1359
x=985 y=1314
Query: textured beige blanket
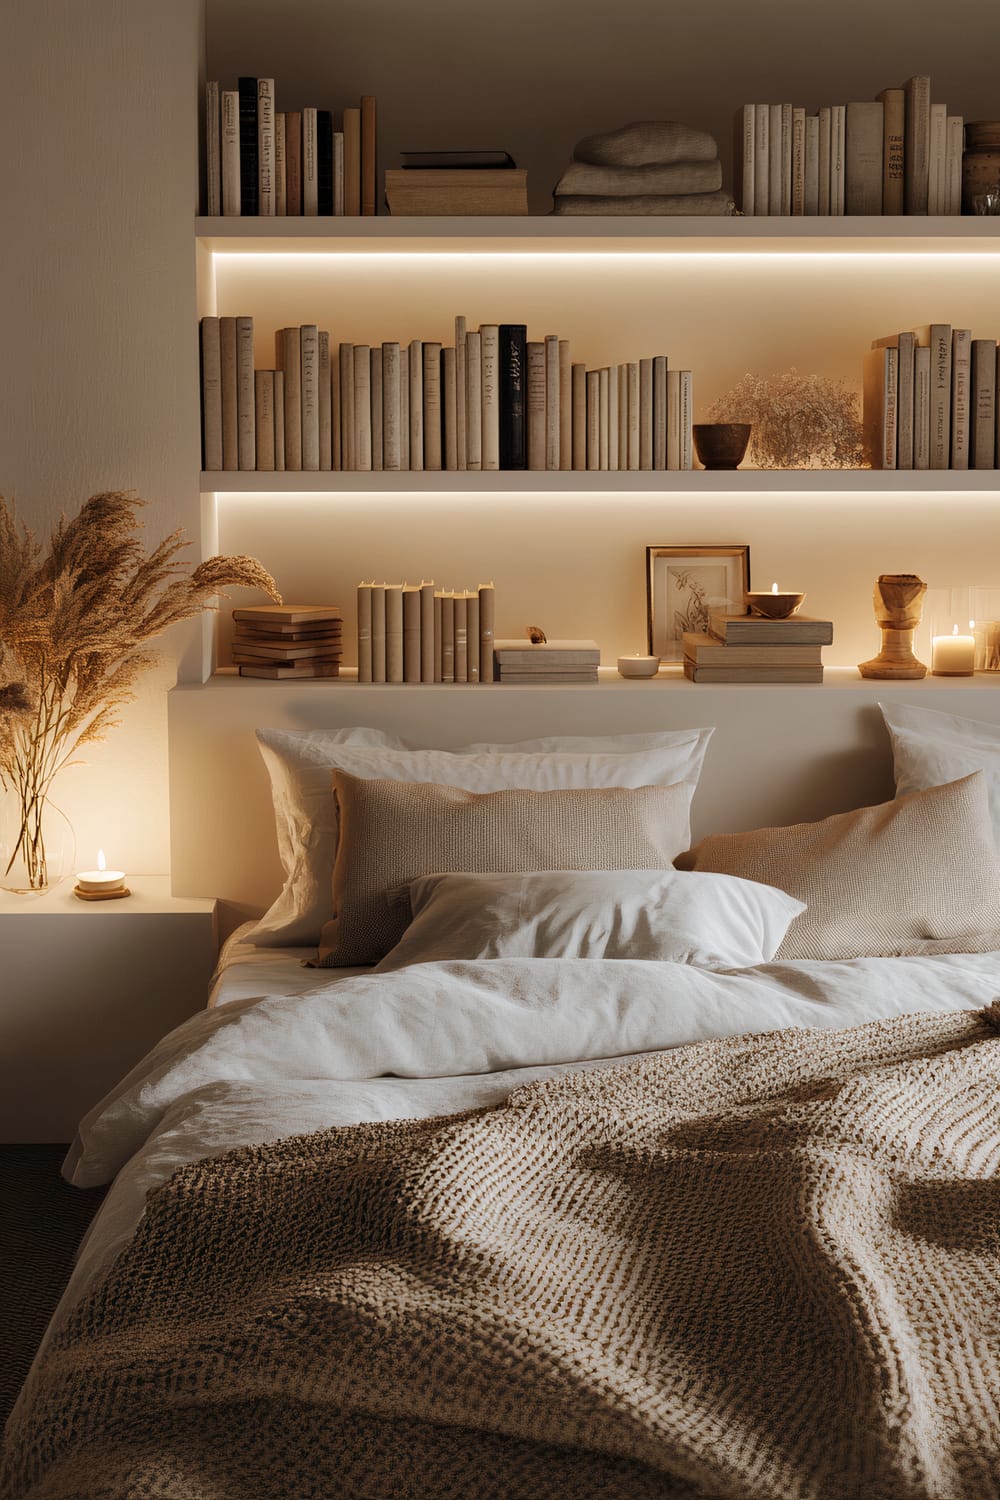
x=760 y=1267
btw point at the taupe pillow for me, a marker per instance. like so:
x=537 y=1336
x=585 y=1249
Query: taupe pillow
x=393 y=831
x=878 y=881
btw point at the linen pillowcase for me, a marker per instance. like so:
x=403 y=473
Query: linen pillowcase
x=301 y=764
x=878 y=881
x=393 y=831
x=930 y=748
x=714 y=921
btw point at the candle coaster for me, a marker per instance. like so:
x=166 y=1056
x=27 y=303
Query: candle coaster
x=114 y=895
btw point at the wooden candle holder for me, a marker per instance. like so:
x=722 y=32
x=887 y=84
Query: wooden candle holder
x=898 y=602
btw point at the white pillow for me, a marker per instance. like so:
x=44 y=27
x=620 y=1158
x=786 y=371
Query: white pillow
x=714 y=921
x=931 y=748
x=301 y=766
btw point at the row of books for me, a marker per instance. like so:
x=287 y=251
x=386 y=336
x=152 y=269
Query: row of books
x=899 y=153
x=423 y=634
x=493 y=400
x=532 y=664
x=930 y=400
x=748 y=648
x=268 y=162
x=288 y=640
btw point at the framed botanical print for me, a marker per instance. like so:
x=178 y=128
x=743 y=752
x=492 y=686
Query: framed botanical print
x=683 y=584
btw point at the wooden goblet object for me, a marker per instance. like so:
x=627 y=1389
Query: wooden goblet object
x=898 y=603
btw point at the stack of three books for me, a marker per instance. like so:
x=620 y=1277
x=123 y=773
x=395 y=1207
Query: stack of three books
x=748 y=648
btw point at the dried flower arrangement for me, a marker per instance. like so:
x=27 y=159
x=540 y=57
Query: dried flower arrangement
x=799 y=421
x=74 y=623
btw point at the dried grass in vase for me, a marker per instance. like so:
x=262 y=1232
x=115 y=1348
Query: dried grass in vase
x=75 y=620
x=798 y=421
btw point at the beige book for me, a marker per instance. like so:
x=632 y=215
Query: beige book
x=633 y=413
x=565 y=405
x=391 y=458
x=364 y=632
x=228 y=388
x=211 y=394
x=265 y=148
x=490 y=336
x=348 y=435
x=623 y=416
x=645 y=413
x=426 y=632
x=461 y=388
x=810 y=205
x=660 y=411
x=673 y=419
x=310 y=180
x=961 y=389
x=751 y=674
x=893 y=116
x=937 y=338
x=411 y=634
x=798 y=195
x=937 y=158
x=879 y=406
x=246 y=444
x=301 y=616
x=754 y=630
x=916 y=143
x=864 y=127
x=954 y=151
x=552 y=401
x=263 y=386
x=708 y=651
x=309 y=356
x=280 y=203
x=460 y=191
x=415 y=375
x=449 y=407
x=288 y=359
x=438 y=640
x=984 y=390
x=447 y=637
x=761 y=159
x=535 y=403
x=300 y=669
x=473 y=401
x=578 y=384
x=338 y=173
x=431 y=357
x=324 y=400
x=593 y=419
x=613 y=418
x=786 y=159
x=336 y=453
x=230 y=154
x=604 y=418
x=461 y=608
x=369 y=174
x=279 y=419
x=394 y=632
x=472 y=625
x=921 y=408
x=687 y=419
x=377 y=413
x=487 y=628
x=825 y=161
x=906 y=348
x=352 y=161
x=404 y=409
x=293 y=162
x=363 y=413
x=743 y=157
x=838 y=148
x=774 y=162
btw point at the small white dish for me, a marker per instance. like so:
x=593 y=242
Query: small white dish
x=638 y=666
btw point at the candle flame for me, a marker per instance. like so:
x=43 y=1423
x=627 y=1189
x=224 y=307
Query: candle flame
x=954 y=630
x=774 y=588
x=102 y=863
x=972 y=624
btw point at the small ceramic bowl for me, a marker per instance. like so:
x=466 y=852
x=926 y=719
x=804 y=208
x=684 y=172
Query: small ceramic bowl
x=638 y=666
x=771 y=606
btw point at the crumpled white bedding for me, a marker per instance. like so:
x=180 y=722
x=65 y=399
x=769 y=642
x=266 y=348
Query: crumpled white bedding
x=438 y=1038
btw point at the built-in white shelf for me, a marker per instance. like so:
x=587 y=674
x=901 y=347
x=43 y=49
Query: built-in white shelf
x=671 y=677
x=609 y=235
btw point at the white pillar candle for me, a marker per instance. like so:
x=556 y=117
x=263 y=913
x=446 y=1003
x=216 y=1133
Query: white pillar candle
x=953 y=655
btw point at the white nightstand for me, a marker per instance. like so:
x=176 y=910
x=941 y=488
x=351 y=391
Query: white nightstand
x=86 y=988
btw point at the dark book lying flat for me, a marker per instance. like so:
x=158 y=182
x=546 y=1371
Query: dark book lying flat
x=474 y=160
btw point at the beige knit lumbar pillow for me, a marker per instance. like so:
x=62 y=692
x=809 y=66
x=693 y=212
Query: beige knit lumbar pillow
x=879 y=880
x=393 y=831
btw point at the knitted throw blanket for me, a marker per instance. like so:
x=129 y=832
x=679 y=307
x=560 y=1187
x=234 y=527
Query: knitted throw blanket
x=759 y=1267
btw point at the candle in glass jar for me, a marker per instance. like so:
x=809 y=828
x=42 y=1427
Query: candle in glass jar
x=954 y=655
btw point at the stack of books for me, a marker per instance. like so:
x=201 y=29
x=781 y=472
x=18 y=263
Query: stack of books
x=549 y=661
x=747 y=648
x=288 y=640
x=930 y=400
x=456 y=182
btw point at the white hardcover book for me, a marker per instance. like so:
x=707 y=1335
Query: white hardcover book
x=838 y=132
x=623 y=416
x=449 y=407
x=825 y=161
x=761 y=158
x=593 y=386
x=565 y=405
x=645 y=414
x=431 y=356
x=490 y=334
x=880 y=391
x=687 y=419
x=364 y=632
x=798 y=161
x=472 y=623
x=411 y=633
x=338 y=173
x=378 y=633
x=786 y=159
x=461 y=388
x=535 y=403
x=211 y=395
x=404 y=408
x=613 y=417
x=660 y=411
x=578 y=379
x=604 y=419
x=916 y=143
x=673 y=419
x=961 y=390
x=348 y=436
x=336 y=433
x=744 y=152
x=936 y=159
x=774 y=160
x=632 y=369
x=265 y=147
x=213 y=150
x=228 y=381
x=984 y=390
x=310 y=180
x=954 y=149
x=363 y=416
x=921 y=407
x=473 y=400
x=309 y=356
x=415 y=373
x=325 y=401
x=552 y=400
x=280 y=181
x=864 y=141
x=230 y=164
x=893 y=115
x=246 y=442
x=426 y=632
x=937 y=338
x=391 y=455
x=279 y=419
x=394 y=632
x=263 y=389
x=377 y=416
x=811 y=193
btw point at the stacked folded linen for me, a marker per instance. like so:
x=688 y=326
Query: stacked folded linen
x=649 y=167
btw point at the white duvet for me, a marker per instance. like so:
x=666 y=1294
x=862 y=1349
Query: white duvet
x=441 y=1037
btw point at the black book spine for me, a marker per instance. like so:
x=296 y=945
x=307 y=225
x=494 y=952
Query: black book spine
x=513 y=387
x=324 y=161
x=249 y=196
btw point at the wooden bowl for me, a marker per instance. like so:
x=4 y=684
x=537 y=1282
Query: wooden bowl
x=721 y=445
x=772 y=606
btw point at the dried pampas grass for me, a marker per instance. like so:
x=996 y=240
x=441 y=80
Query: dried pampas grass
x=798 y=421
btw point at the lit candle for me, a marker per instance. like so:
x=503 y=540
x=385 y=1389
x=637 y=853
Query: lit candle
x=954 y=655
x=638 y=666
x=101 y=881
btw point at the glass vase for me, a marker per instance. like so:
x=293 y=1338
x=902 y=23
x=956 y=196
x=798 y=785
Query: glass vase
x=37 y=845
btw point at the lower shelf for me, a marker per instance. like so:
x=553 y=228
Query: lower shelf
x=227 y=679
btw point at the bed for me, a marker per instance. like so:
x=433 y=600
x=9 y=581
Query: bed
x=562 y=1195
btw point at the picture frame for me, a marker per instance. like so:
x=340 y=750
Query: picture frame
x=683 y=584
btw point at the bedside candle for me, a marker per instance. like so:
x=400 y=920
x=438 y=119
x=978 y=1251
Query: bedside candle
x=954 y=655
x=638 y=666
x=101 y=881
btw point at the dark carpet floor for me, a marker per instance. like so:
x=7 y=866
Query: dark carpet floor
x=42 y=1220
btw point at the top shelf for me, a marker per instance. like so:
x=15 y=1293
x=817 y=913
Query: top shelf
x=609 y=235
